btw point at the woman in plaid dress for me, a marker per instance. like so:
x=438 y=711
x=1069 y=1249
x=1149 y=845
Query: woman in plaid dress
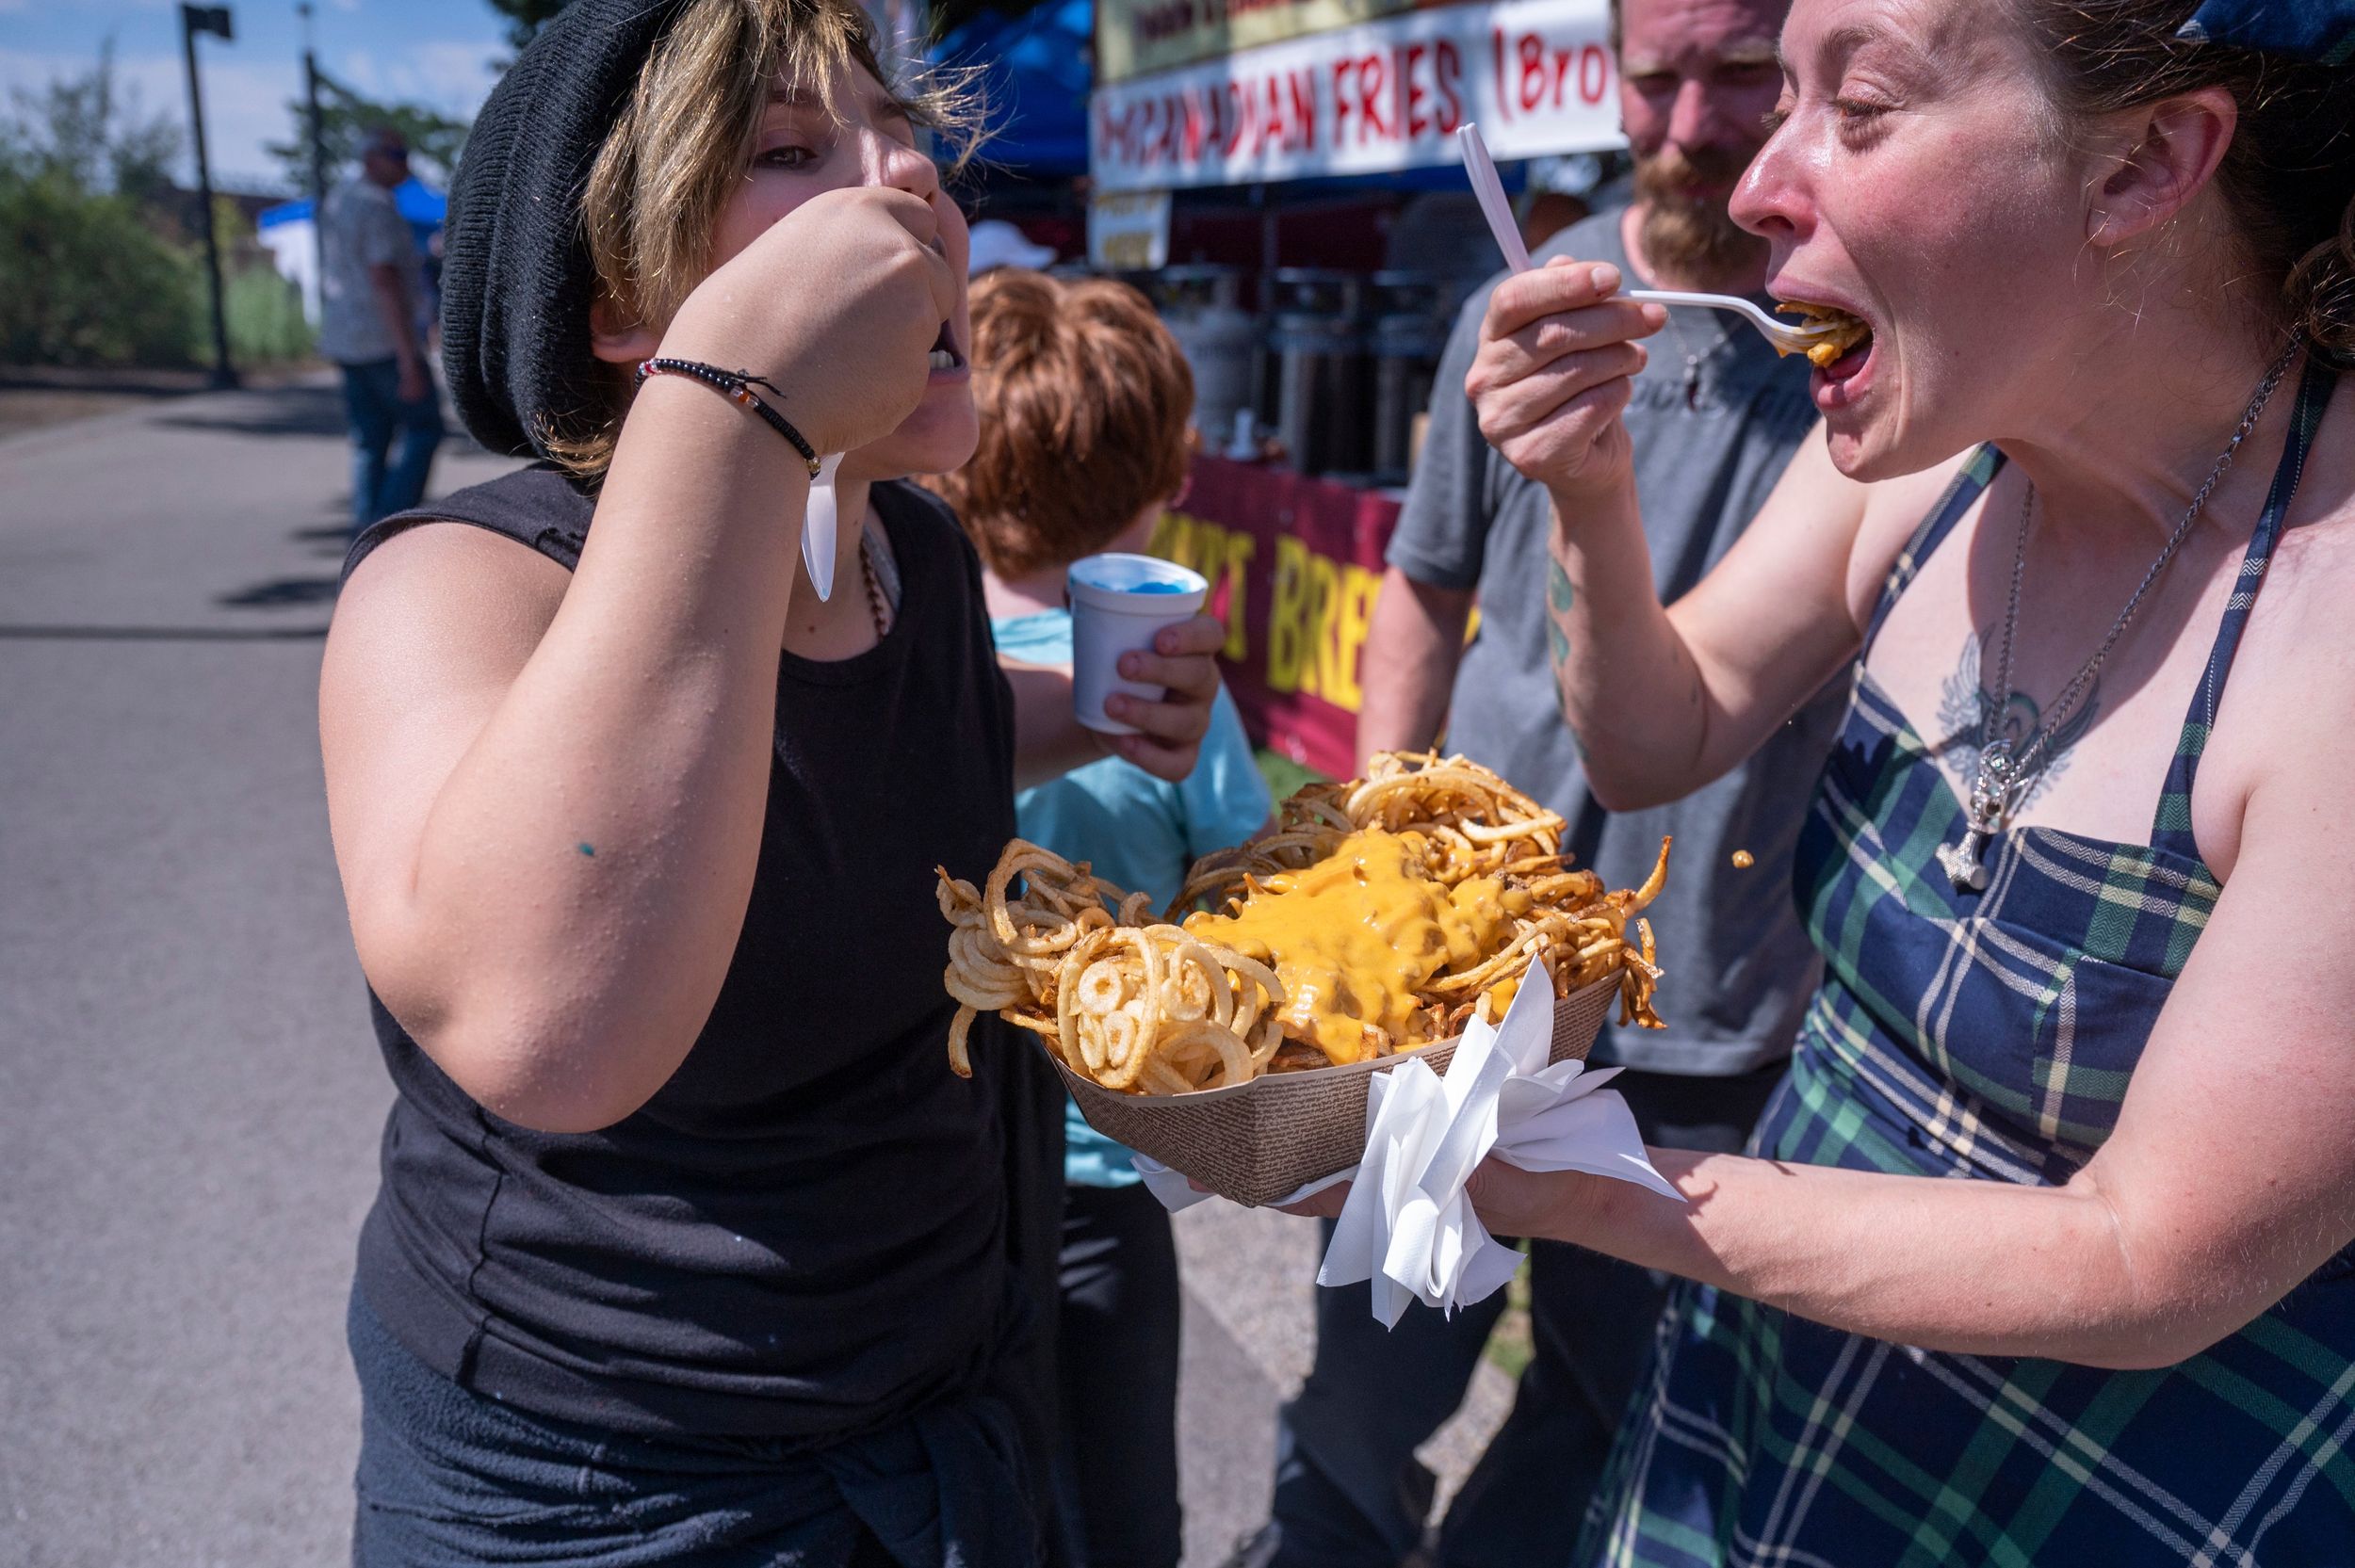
x=2080 y=865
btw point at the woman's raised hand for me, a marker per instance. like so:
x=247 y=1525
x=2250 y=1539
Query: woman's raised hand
x=1557 y=355
x=840 y=303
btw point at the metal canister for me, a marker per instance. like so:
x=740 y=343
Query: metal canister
x=1410 y=334
x=1323 y=396
x=1202 y=306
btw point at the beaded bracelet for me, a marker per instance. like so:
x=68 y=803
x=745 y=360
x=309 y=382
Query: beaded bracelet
x=736 y=385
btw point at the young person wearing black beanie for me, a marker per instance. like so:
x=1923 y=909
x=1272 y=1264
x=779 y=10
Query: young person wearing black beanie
x=690 y=1247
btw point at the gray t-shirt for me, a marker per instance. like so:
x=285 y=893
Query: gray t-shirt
x=1738 y=964
x=364 y=229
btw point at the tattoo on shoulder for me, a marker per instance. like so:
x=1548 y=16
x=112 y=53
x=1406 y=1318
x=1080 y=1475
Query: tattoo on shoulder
x=1964 y=702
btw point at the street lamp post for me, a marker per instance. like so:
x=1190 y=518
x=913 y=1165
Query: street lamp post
x=215 y=20
x=317 y=127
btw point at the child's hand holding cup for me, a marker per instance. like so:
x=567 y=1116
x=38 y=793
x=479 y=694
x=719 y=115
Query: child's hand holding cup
x=1119 y=602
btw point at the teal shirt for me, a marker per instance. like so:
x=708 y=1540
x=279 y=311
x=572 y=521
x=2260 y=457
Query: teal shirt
x=1136 y=830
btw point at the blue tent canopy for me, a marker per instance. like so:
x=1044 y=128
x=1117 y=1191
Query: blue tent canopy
x=1037 y=71
x=2314 y=29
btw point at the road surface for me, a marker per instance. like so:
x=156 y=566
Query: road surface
x=189 y=1097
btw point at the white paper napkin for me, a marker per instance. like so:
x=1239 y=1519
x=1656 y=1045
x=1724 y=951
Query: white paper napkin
x=1407 y=1226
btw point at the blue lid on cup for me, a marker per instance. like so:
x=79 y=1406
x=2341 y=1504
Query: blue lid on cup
x=1118 y=602
x=1116 y=571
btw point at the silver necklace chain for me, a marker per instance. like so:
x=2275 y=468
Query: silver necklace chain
x=2003 y=772
x=1693 y=359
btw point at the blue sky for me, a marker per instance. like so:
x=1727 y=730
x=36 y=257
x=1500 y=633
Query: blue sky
x=432 y=52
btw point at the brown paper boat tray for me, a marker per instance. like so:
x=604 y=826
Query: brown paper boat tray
x=1256 y=1141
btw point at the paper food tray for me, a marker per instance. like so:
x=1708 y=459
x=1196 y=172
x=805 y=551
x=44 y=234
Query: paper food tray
x=1258 y=1140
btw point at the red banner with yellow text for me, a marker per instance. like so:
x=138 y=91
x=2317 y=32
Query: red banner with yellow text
x=1294 y=565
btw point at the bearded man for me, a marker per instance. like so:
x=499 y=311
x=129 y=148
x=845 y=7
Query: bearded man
x=1715 y=417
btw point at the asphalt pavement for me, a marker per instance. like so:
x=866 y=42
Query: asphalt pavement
x=190 y=1096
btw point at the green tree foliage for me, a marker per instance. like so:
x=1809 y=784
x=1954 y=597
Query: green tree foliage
x=264 y=313
x=347 y=118
x=83 y=279
x=524 y=17
x=94 y=135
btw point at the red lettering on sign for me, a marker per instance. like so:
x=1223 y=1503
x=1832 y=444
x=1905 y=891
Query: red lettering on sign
x=1416 y=120
x=1370 y=82
x=1173 y=113
x=1594 y=73
x=1130 y=137
x=1389 y=99
x=1450 y=71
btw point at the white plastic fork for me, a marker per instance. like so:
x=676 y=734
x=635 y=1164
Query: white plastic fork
x=1787 y=335
x=819 y=528
x=1482 y=170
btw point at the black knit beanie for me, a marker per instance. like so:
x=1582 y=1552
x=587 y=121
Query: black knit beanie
x=517 y=281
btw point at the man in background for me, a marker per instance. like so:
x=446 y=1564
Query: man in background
x=1715 y=417
x=370 y=318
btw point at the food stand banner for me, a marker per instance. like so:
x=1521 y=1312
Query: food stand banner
x=1133 y=37
x=1129 y=231
x=1294 y=565
x=1536 y=75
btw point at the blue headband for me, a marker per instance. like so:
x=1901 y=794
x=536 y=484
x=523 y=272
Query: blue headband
x=2320 y=30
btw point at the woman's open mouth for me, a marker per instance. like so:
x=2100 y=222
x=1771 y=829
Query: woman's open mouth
x=944 y=354
x=1840 y=333
x=1840 y=354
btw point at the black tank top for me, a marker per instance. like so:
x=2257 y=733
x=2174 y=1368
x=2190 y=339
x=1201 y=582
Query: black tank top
x=803 y=1235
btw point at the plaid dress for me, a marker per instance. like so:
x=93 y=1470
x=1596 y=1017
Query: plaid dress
x=1986 y=1037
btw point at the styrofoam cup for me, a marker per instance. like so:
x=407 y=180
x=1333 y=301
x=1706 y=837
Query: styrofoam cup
x=1119 y=602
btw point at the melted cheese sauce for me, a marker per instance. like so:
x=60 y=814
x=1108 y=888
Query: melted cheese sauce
x=1355 y=935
